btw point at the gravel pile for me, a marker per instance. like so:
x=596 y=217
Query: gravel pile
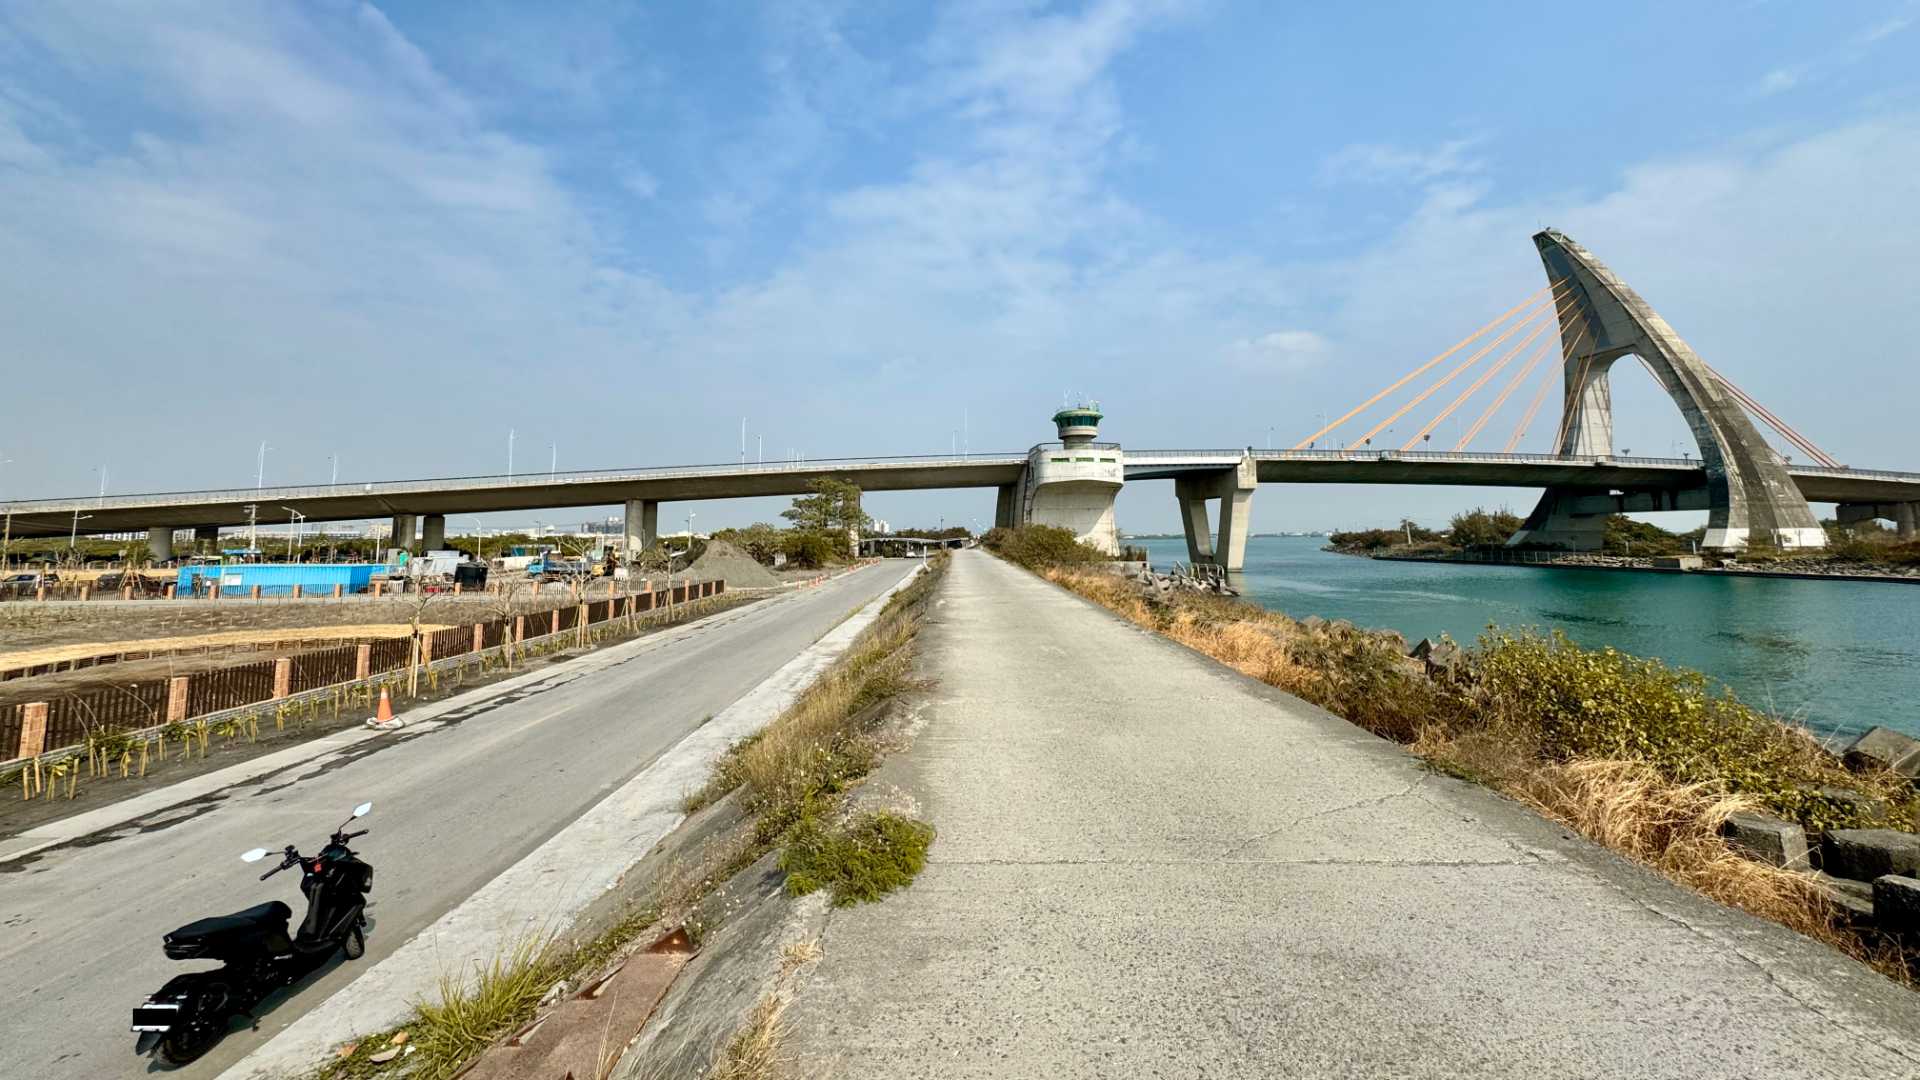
x=728 y=563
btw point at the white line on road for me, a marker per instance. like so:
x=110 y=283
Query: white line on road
x=544 y=891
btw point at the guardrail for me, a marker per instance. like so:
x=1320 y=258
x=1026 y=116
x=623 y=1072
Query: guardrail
x=517 y=480
x=60 y=726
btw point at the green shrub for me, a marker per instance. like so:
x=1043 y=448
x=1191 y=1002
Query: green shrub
x=1038 y=547
x=1482 y=528
x=863 y=860
x=812 y=550
x=1601 y=703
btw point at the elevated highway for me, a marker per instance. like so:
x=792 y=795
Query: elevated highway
x=1633 y=483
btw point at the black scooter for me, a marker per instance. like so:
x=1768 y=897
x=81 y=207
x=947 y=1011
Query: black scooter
x=186 y=1017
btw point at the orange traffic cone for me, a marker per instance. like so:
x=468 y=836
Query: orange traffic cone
x=384 y=717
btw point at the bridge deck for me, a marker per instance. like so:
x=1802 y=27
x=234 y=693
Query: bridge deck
x=541 y=491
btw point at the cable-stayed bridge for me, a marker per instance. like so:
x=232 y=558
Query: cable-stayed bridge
x=1571 y=332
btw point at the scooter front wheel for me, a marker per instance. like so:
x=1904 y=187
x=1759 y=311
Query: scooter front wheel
x=355 y=946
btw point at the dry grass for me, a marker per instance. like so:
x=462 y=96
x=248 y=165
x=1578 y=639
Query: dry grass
x=1628 y=807
x=754 y=1052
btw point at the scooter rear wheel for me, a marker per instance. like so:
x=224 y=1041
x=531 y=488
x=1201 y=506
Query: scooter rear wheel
x=184 y=1045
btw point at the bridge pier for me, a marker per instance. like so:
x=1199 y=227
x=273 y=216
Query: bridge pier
x=642 y=528
x=1006 y=506
x=433 y=532
x=1904 y=515
x=400 y=532
x=160 y=543
x=206 y=534
x=1234 y=488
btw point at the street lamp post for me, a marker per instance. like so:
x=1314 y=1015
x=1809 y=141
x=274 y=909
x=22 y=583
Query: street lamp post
x=509 y=453
x=294 y=518
x=260 y=466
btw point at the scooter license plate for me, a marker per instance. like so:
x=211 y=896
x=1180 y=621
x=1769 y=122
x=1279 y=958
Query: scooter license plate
x=155 y=1017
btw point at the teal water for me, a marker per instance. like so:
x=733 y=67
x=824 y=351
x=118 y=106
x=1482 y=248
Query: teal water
x=1838 y=656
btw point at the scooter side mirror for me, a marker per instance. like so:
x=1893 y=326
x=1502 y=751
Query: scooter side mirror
x=255 y=855
x=363 y=809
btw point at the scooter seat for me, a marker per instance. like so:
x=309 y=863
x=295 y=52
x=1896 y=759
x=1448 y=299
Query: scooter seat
x=272 y=915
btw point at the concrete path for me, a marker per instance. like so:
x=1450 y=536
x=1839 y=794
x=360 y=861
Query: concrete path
x=1150 y=866
x=456 y=803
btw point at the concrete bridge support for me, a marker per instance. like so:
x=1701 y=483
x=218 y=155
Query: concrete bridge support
x=160 y=543
x=1006 y=506
x=643 y=526
x=1750 y=495
x=1074 y=488
x=1904 y=515
x=1234 y=489
x=400 y=532
x=433 y=532
x=206 y=537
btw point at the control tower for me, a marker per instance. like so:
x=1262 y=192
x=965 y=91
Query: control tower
x=1072 y=483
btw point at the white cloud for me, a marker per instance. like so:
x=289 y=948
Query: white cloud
x=1816 y=68
x=1278 y=351
x=1380 y=163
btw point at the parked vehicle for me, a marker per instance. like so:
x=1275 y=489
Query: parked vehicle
x=553 y=568
x=186 y=1017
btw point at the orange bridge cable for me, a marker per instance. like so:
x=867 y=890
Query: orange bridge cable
x=1776 y=423
x=1455 y=372
x=1571 y=408
x=1546 y=347
x=1770 y=419
x=1485 y=376
x=1526 y=418
x=1415 y=373
x=1540 y=395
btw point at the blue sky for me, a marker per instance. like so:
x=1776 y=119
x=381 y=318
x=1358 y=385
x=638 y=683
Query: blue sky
x=391 y=233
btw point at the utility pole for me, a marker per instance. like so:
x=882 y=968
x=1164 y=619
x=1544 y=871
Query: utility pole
x=743 y=440
x=333 y=475
x=509 y=453
x=553 y=460
x=260 y=466
x=253 y=527
x=760 y=449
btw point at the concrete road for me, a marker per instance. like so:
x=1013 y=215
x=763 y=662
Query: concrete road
x=1150 y=866
x=80 y=926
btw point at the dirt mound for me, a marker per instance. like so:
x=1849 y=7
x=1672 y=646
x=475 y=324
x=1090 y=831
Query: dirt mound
x=728 y=563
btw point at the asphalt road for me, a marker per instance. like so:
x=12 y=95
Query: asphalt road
x=1148 y=865
x=80 y=926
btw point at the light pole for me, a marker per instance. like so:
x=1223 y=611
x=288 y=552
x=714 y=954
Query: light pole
x=260 y=466
x=760 y=453
x=253 y=527
x=333 y=474
x=103 y=486
x=73 y=534
x=509 y=453
x=553 y=460
x=294 y=518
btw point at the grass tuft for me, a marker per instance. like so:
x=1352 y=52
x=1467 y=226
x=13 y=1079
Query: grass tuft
x=858 y=861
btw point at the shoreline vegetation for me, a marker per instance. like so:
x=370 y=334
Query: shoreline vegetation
x=1645 y=759
x=1865 y=550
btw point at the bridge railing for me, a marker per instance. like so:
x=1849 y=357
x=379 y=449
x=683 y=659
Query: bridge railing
x=1370 y=454
x=267 y=496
